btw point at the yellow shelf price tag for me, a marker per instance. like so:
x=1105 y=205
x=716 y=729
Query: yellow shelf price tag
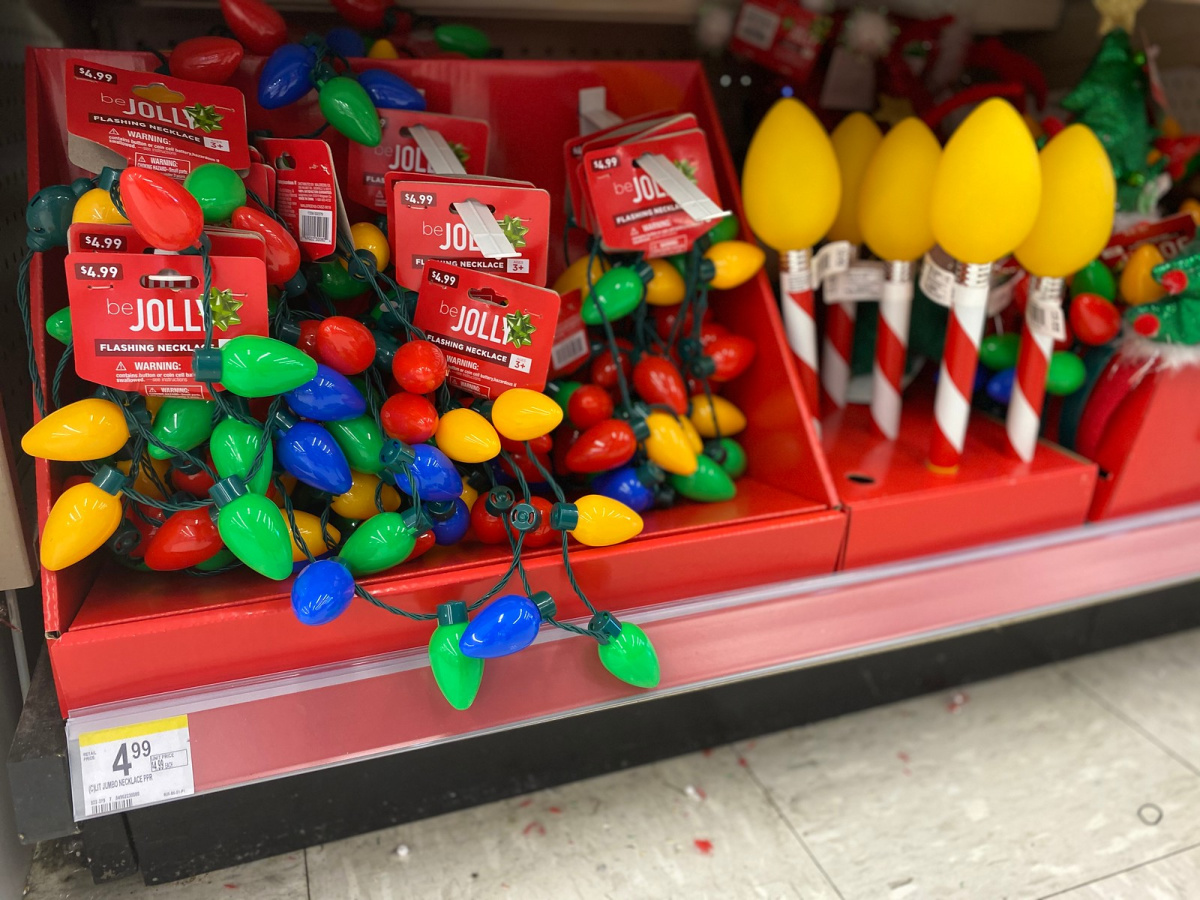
x=135 y=765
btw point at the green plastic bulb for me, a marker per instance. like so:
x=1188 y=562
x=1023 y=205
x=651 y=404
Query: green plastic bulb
x=708 y=484
x=254 y=366
x=617 y=292
x=218 y=189
x=182 y=424
x=218 y=560
x=347 y=108
x=462 y=39
x=628 y=655
x=361 y=439
x=380 y=542
x=735 y=458
x=338 y=283
x=58 y=325
x=253 y=528
x=458 y=676
x=234 y=445
x=726 y=229
x=560 y=392
x=1095 y=278
x=680 y=262
x=999 y=351
x=1065 y=374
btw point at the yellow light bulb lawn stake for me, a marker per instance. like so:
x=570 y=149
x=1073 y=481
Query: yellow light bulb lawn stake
x=1072 y=227
x=986 y=194
x=893 y=218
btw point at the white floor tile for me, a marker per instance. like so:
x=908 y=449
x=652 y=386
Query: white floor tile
x=694 y=827
x=1173 y=878
x=1015 y=788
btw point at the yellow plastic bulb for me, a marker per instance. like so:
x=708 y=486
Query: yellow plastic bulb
x=693 y=436
x=467 y=437
x=574 y=278
x=310 y=529
x=82 y=519
x=604 y=521
x=668 y=445
x=367 y=236
x=791 y=186
x=893 y=201
x=289 y=484
x=1079 y=194
x=522 y=415
x=359 y=501
x=988 y=185
x=154 y=404
x=95 y=207
x=1171 y=127
x=83 y=430
x=1137 y=285
x=736 y=262
x=854 y=142
x=382 y=49
x=717 y=415
x=144 y=484
x=667 y=287
x=468 y=494
x=1192 y=208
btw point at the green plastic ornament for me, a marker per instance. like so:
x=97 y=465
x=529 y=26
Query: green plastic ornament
x=458 y=676
x=726 y=229
x=1095 y=278
x=560 y=392
x=617 y=293
x=380 y=542
x=219 y=560
x=735 y=458
x=234 y=445
x=708 y=484
x=218 y=189
x=680 y=262
x=361 y=439
x=628 y=653
x=58 y=325
x=999 y=351
x=253 y=528
x=338 y=283
x=348 y=108
x=182 y=424
x=254 y=366
x=462 y=39
x=1065 y=375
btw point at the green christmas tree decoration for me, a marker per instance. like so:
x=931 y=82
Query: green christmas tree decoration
x=1175 y=319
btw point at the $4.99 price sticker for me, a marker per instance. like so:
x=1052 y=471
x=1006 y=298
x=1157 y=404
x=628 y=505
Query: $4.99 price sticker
x=134 y=765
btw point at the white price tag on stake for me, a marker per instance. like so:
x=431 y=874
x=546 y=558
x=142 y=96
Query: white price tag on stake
x=862 y=281
x=834 y=257
x=135 y=765
x=937 y=281
x=1046 y=317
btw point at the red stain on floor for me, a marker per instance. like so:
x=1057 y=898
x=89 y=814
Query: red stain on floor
x=534 y=828
x=231 y=887
x=524 y=803
x=957 y=702
x=555 y=810
x=902 y=756
x=742 y=761
x=704 y=846
x=707 y=751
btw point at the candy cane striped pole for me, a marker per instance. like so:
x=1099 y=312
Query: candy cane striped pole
x=956 y=381
x=837 y=350
x=799 y=322
x=891 y=347
x=1033 y=362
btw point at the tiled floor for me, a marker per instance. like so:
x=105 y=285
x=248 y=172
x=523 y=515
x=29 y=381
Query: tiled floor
x=1078 y=781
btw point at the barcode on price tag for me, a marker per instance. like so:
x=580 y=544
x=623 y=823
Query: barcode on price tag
x=134 y=765
x=315 y=225
x=834 y=257
x=571 y=349
x=862 y=281
x=1046 y=317
x=756 y=26
x=937 y=281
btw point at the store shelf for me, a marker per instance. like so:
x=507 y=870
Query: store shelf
x=265 y=728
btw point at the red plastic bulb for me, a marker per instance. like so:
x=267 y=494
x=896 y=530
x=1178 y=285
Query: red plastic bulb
x=604 y=370
x=160 y=210
x=187 y=538
x=710 y=332
x=146 y=530
x=657 y=381
x=408 y=417
x=283 y=253
x=308 y=336
x=255 y=24
x=209 y=59
x=602 y=447
x=543 y=535
x=422 y=545
x=522 y=461
x=195 y=483
x=488 y=529
x=1094 y=318
x=588 y=405
x=365 y=14
x=564 y=440
x=345 y=345
x=732 y=355
x=541 y=445
x=419 y=367
x=664 y=321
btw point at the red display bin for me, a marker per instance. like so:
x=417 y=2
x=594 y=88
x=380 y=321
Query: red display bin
x=115 y=634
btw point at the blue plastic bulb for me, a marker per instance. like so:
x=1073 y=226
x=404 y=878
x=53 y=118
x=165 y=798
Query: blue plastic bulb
x=434 y=474
x=322 y=592
x=623 y=484
x=285 y=76
x=388 y=91
x=309 y=452
x=346 y=42
x=1000 y=385
x=505 y=626
x=452 y=530
x=328 y=397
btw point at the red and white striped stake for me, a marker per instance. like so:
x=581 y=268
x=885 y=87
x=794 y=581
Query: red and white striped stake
x=891 y=347
x=1033 y=363
x=837 y=350
x=799 y=322
x=960 y=358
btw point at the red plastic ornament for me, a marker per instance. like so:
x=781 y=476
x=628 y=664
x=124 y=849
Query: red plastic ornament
x=657 y=381
x=422 y=545
x=195 y=483
x=283 y=253
x=664 y=321
x=522 y=461
x=255 y=24
x=541 y=445
x=308 y=336
x=588 y=405
x=564 y=440
x=408 y=417
x=160 y=210
x=732 y=355
x=187 y=538
x=1094 y=319
x=419 y=367
x=604 y=370
x=488 y=529
x=345 y=345
x=209 y=59
x=710 y=332
x=365 y=14
x=602 y=447
x=145 y=529
x=543 y=535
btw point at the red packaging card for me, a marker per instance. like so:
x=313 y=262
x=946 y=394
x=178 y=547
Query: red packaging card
x=138 y=317
x=398 y=152
x=425 y=228
x=306 y=193
x=261 y=182
x=496 y=333
x=573 y=150
x=117 y=118
x=781 y=35
x=570 y=336
x=631 y=211
x=85 y=237
x=1169 y=235
x=393 y=178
